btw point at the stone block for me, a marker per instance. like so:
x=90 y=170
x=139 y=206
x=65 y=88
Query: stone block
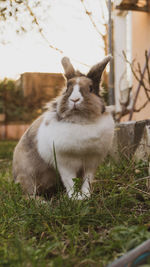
x=132 y=139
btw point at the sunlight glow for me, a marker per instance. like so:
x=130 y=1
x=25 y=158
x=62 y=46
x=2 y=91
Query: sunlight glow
x=67 y=27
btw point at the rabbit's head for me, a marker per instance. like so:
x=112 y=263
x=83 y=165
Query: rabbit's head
x=80 y=100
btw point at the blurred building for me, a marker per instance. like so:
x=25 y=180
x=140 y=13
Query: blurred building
x=36 y=87
x=37 y=84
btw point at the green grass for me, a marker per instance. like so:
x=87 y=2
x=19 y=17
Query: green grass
x=68 y=233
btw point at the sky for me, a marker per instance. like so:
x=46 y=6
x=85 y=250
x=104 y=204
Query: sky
x=66 y=26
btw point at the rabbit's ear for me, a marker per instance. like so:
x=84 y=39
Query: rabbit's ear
x=96 y=71
x=68 y=68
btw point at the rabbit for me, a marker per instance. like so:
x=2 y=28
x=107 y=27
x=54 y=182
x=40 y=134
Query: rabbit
x=75 y=132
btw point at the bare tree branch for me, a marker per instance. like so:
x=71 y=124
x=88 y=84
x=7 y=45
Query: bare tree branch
x=147 y=65
x=140 y=80
x=143 y=106
x=35 y=20
x=139 y=76
x=103 y=36
x=91 y=18
x=26 y=3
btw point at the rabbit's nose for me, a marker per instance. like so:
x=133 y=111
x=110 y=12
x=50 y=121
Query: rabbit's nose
x=75 y=100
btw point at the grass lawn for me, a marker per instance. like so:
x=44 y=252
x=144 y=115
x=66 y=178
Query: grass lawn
x=67 y=233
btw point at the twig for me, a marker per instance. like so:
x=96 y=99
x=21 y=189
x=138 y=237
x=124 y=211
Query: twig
x=108 y=209
x=140 y=80
x=103 y=36
x=131 y=65
x=140 y=179
x=141 y=83
x=147 y=65
x=91 y=18
x=26 y=3
x=143 y=106
x=141 y=191
x=35 y=20
x=144 y=78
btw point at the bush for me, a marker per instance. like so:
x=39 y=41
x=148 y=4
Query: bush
x=17 y=107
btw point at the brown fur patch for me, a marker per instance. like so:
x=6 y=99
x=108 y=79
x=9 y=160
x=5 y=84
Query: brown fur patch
x=89 y=110
x=29 y=169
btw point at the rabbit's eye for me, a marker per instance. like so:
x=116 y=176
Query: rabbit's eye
x=91 y=88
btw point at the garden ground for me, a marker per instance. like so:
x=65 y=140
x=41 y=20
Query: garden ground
x=64 y=232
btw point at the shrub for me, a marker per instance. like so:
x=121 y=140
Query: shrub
x=17 y=107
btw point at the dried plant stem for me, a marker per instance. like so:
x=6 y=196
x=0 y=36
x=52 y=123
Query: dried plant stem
x=141 y=191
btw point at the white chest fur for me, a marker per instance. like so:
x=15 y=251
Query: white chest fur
x=71 y=138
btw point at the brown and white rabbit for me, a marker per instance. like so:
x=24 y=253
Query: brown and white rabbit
x=77 y=126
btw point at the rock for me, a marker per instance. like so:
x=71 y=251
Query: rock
x=132 y=139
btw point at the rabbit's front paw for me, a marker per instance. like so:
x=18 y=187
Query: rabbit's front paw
x=86 y=192
x=80 y=196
